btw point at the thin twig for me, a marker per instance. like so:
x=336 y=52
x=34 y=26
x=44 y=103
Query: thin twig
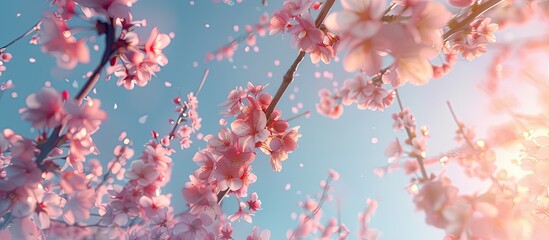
x=477 y=10
x=460 y=126
x=411 y=136
x=54 y=137
x=28 y=32
x=289 y=76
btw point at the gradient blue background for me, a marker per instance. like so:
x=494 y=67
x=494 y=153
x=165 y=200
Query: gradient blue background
x=344 y=145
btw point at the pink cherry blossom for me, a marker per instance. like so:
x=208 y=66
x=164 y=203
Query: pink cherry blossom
x=253 y=127
x=154 y=46
x=57 y=40
x=329 y=105
x=241 y=214
x=359 y=19
x=48 y=206
x=279 y=22
x=281 y=146
x=228 y=176
x=143 y=173
x=87 y=115
x=44 y=109
x=81 y=146
x=305 y=35
x=190 y=227
x=254 y=204
x=257 y=234
x=78 y=206
x=73 y=181
x=296 y=7
x=110 y=8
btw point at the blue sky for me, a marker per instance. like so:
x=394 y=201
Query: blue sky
x=344 y=144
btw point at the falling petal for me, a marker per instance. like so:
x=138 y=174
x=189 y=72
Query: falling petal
x=143 y=119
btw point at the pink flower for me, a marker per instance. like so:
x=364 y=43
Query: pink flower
x=21 y=174
x=433 y=198
x=73 y=181
x=393 y=151
x=5 y=57
x=78 y=206
x=359 y=19
x=190 y=227
x=143 y=173
x=305 y=35
x=334 y=175
x=296 y=7
x=252 y=127
x=158 y=155
x=228 y=176
x=152 y=206
x=329 y=105
x=57 y=40
x=254 y=204
x=279 y=22
x=19 y=201
x=362 y=56
x=81 y=146
x=257 y=234
x=49 y=206
x=322 y=52
x=281 y=146
x=109 y=8
x=85 y=116
x=65 y=8
x=483 y=30
x=234 y=99
x=241 y=214
x=44 y=109
x=154 y=46
x=207 y=162
x=426 y=23
x=226 y=231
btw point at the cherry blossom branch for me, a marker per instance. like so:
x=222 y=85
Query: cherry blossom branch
x=476 y=10
x=28 y=32
x=106 y=176
x=318 y=207
x=411 y=136
x=53 y=140
x=289 y=76
x=460 y=126
x=183 y=113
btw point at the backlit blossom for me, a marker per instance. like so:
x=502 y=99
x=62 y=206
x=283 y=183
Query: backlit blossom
x=78 y=206
x=155 y=44
x=88 y=115
x=57 y=40
x=44 y=109
x=143 y=173
x=305 y=35
x=359 y=18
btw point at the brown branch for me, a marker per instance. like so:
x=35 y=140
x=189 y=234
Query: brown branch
x=54 y=138
x=476 y=10
x=289 y=76
x=411 y=136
